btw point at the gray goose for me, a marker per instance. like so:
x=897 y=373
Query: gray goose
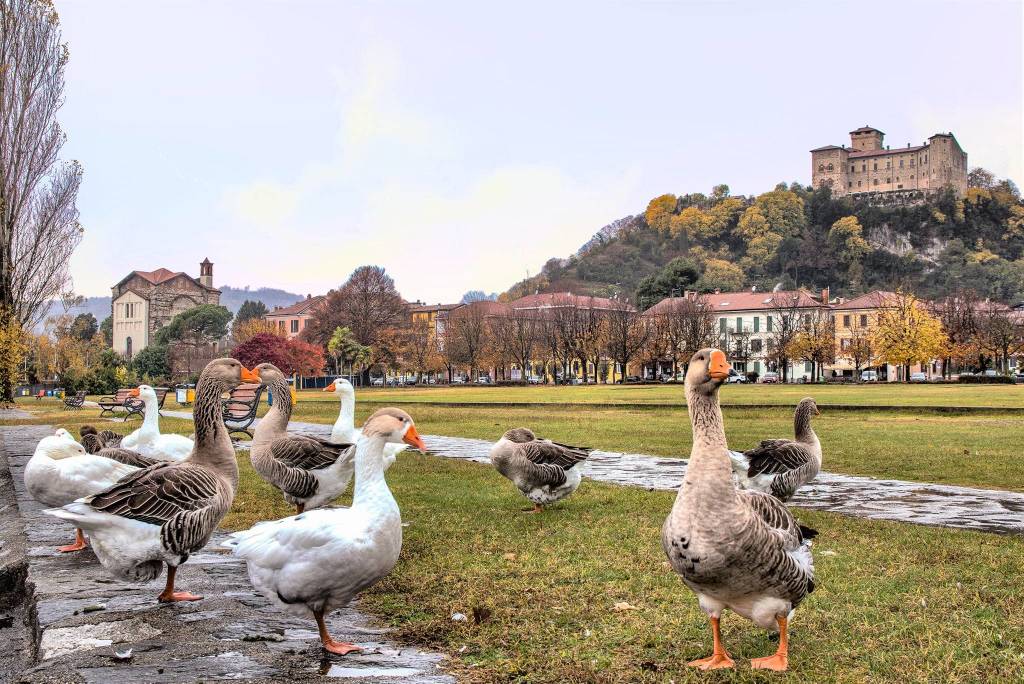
x=105 y=443
x=93 y=440
x=544 y=471
x=309 y=471
x=781 y=466
x=161 y=514
x=735 y=549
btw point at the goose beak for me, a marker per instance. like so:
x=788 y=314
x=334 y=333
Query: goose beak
x=817 y=411
x=329 y=388
x=412 y=438
x=719 y=368
x=250 y=375
x=134 y=392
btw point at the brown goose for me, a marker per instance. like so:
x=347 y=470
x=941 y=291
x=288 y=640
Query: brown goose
x=544 y=471
x=163 y=513
x=781 y=466
x=309 y=471
x=105 y=443
x=93 y=440
x=735 y=549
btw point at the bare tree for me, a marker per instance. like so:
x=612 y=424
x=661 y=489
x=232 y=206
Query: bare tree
x=468 y=329
x=784 y=324
x=39 y=227
x=958 y=314
x=1000 y=333
x=627 y=334
x=517 y=333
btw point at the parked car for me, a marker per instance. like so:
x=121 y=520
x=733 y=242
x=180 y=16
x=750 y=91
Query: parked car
x=735 y=377
x=869 y=376
x=990 y=373
x=770 y=378
x=632 y=378
x=377 y=382
x=458 y=381
x=535 y=379
x=918 y=377
x=484 y=380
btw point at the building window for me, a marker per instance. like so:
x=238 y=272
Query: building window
x=876 y=181
x=739 y=324
x=901 y=163
x=757 y=324
x=853 y=168
x=911 y=163
x=899 y=187
x=875 y=166
x=830 y=167
x=926 y=159
x=280 y=326
x=863 y=320
x=295 y=325
x=888 y=163
x=888 y=180
x=911 y=176
x=755 y=346
x=846 y=320
x=721 y=324
x=858 y=184
x=128 y=347
x=863 y=167
x=821 y=168
x=849 y=184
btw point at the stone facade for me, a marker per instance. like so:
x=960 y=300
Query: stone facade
x=145 y=301
x=868 y=166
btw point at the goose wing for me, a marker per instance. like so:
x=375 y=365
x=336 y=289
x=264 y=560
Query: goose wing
x=776 y=516
x=157 y=494
x=776 y=456
x=546 y=452
x=308 y=453
x=791 y=567
x=110 y=438
x=126 y=456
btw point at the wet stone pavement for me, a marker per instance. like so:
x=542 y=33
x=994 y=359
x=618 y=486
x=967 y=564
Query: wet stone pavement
x=86 y=618
x=983 y=510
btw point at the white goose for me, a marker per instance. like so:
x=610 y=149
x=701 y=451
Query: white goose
x=317 y=561
x=148 y=440
x=345 y=430
x=161 y=514
x=735 y=549
x=60 y=471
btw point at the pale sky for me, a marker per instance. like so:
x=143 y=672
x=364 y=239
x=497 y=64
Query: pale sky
x=460 y=145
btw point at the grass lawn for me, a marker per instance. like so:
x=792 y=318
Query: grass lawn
x=894 y=601
x=1011 y=396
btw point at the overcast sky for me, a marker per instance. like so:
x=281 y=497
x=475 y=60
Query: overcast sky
x=460 y=145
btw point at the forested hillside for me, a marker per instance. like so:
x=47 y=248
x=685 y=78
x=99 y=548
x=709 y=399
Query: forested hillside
x=801 y=237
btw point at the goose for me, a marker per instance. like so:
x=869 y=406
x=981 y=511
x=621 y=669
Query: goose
x=159 y=515
x=544 y=471
x=148 y=440
x=309 y=471
x=781 y=466
x=61 y=471
x=93 y=440
x=345 y=430
x=317 y=561
x=735 y=549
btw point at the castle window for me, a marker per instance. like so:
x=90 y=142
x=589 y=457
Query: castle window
x=863 y=167
x=888 y=164
x=876 y=181
x=899 y=187
x=911 y=162
x=926 y=159
x=858 y=184
x=830 y=167
x=888 y=180
x=849 y=184
x=853 y=168
x=901 y=163
x=911 y=176
x=821 y=168
x=875 y=165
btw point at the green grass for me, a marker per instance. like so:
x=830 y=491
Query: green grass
x=894 y=602
x=1008 y=396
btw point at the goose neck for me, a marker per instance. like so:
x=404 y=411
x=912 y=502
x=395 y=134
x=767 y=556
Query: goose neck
x=802 y=426
x=706 y=420
x=213 y=445
x=371 y=490
x=346 y=422
x=281 y=410
x=150 y=419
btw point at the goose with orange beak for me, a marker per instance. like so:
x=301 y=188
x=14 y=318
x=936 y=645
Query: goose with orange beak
x=741 y=550
x=148 y=440
x=345 y=430
x=315 y=562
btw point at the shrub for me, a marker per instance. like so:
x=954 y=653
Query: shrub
x=986 y=379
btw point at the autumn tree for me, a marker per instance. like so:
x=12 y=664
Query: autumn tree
x=958 y=314
x=518 y=334
x=659 y=212
x=721 y=275
x=468 y=330
x=815 y=341
x=246 y=330
x=857 y=347
x=783 y=326
x=907 y=333
x=418 y=349
x=39 y=227
x=627 y=334
x=847 y=237
x=1000 y=334
x=346 y=350
x=369 y=306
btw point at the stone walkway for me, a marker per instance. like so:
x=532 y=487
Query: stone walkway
x=85 y=617
x=984 y=510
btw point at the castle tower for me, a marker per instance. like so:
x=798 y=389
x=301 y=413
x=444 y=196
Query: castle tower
x=866 y=139
x=206 y=273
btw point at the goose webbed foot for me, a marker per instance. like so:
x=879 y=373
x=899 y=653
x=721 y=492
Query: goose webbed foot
x=537 y=508
x=329 y=644
x=780 y=660
x=169 y=595
x=719 y=658
x=79 y=544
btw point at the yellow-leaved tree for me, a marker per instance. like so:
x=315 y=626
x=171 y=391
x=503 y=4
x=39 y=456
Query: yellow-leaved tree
x=659 y=212
x=907 y=333
x=847 y=237
x=13 y=347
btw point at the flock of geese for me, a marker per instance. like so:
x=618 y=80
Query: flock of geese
x=149 y=500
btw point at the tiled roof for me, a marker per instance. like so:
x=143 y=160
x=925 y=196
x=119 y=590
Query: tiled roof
x=561 y=299
x=870 y=300
x=426 y=308
x=745 y=301
x=487 y=306
x=876 y=153
x=866 y=129
x=160 y=275
x=298 y=308
x=827 y=147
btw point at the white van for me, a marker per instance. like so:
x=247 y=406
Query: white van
x=869 y=376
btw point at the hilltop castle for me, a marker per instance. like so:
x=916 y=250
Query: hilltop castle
x=868 y=166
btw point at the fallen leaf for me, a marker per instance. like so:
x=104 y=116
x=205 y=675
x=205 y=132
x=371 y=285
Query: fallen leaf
x=623 y=605
x=509 y=556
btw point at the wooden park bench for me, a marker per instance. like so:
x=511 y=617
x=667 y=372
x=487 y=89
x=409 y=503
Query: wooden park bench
x=108 y=405
x=73 y=402
x=136 y=407
x=240 y=408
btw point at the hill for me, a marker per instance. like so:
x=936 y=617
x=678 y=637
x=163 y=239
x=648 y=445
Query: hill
x=797 y=236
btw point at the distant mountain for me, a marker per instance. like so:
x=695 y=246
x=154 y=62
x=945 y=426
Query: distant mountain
x=230 y=297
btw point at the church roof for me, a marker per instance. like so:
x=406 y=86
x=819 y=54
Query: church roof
x=160 y=276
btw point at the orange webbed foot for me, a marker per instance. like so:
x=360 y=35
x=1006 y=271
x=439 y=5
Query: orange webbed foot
x=341 y=647
x=178 y=596
x=77 y=546
x=777 y=662
x=718 y=661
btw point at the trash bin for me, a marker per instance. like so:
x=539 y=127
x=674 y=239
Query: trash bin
x=185 y=394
